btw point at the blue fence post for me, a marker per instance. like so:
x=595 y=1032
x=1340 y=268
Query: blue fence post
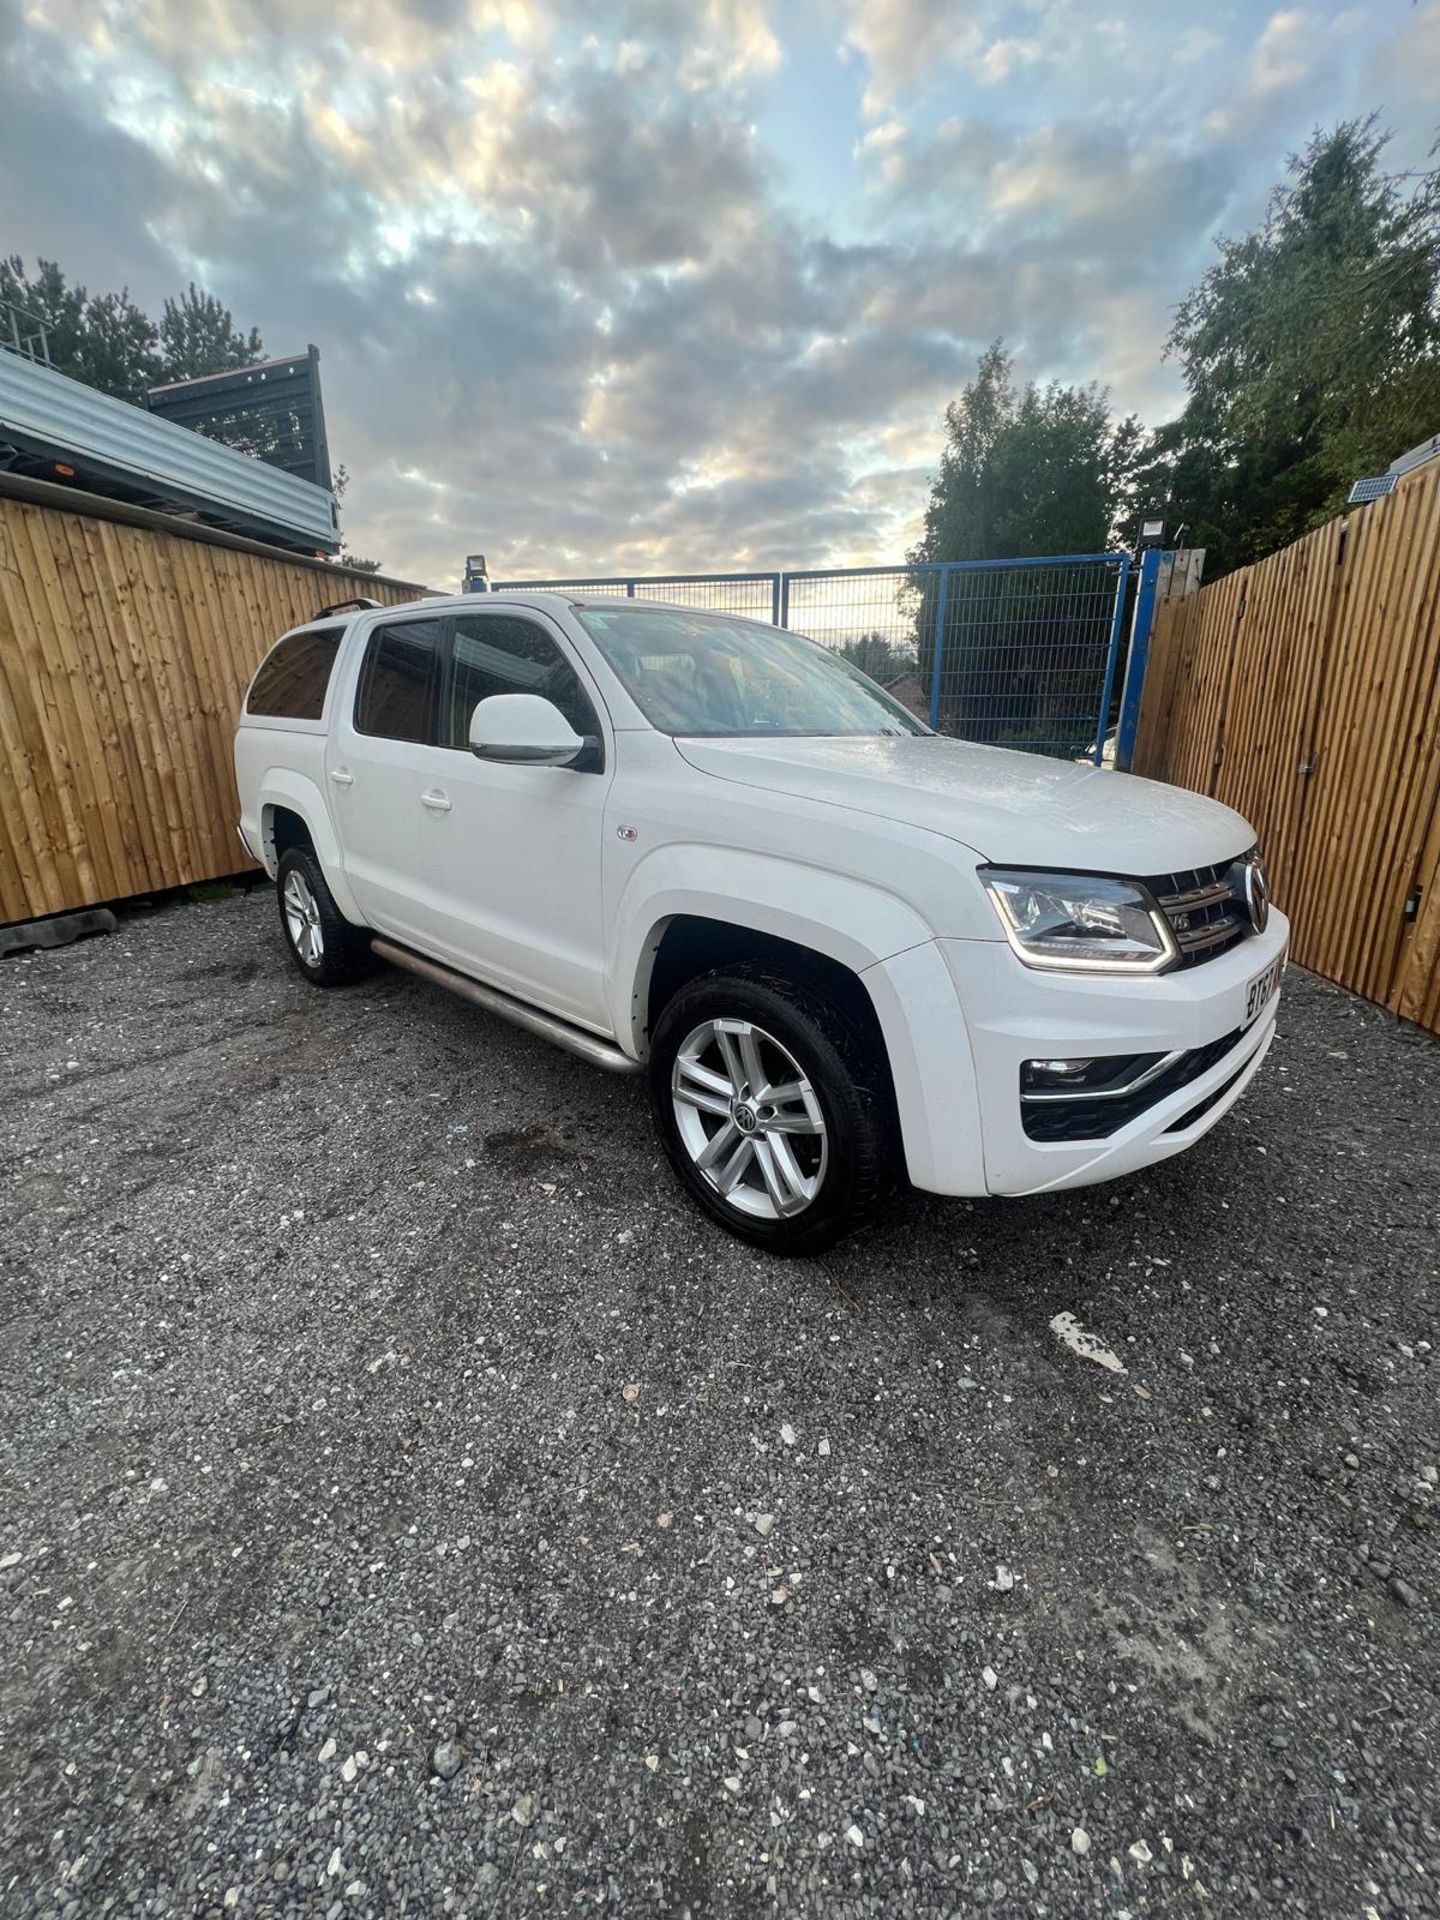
x=1112 y=656
x=941 y=594
x=1145 y=593
x=782 y=589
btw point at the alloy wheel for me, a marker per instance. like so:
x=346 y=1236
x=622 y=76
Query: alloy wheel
x=302 y=919
x=749 y=1118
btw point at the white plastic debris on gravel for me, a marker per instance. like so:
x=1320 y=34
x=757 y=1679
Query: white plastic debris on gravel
x=1085 y=1344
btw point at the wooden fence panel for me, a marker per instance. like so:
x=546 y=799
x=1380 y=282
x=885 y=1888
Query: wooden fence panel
x=1176 y=624
x=1269 y=709
x=1305 y=692
x=1416 y=993
x=1374 y=800
x=1201 y=683
x=124 y=654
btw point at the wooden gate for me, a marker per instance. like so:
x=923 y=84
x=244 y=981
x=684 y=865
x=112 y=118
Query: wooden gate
x=1305 y=692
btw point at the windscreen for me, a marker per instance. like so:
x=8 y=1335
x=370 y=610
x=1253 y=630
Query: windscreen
x=700 y=673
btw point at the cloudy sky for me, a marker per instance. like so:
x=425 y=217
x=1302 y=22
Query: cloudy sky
x=664 y=285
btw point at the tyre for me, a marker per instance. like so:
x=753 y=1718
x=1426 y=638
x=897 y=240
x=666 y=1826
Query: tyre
x=322 y=942
x=774 y=1107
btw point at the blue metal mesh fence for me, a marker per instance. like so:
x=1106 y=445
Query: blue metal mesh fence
x=1027 y=648
x=877 y=618
x=749 y=596
x=1028 y=652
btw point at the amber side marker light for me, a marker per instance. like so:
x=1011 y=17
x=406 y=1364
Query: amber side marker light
x=65 y=473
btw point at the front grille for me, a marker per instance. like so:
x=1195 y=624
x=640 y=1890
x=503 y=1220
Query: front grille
x=1206 y=909
x=1096 y=1119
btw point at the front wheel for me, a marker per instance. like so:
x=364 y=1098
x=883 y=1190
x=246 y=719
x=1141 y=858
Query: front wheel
x=773 y=1105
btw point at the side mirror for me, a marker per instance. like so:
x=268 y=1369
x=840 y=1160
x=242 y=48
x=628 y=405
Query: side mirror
x=523 y=729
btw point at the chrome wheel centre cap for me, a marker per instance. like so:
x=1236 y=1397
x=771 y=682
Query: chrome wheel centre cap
x=745 y=1117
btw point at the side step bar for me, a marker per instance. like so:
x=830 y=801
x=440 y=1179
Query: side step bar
x=589 y=1046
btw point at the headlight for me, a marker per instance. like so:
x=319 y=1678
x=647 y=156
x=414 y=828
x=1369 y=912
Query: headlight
x=1080 y=922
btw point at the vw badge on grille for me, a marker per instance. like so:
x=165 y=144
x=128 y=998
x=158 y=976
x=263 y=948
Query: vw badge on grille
x=1257 y=895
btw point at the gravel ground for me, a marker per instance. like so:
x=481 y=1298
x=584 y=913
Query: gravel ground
x=409 y=1506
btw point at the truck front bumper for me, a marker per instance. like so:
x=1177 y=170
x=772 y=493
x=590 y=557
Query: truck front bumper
x=958 y=1082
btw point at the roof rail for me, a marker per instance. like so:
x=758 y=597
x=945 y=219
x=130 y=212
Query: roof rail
x=344 y=606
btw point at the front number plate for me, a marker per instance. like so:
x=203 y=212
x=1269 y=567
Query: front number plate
x=1262 y=987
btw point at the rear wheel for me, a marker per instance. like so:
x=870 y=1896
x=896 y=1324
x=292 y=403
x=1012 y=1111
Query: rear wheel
x=323 y=944
x=774 y=1108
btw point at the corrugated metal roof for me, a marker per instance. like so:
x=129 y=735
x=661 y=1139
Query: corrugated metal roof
x=48 y=412
x=62 y=498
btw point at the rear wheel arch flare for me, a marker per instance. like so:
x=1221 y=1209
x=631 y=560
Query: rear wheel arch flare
x=284 y=828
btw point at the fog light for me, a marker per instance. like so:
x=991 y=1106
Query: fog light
x=1104 y=1076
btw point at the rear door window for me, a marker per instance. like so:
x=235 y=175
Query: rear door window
x=395 y=698
x=294 y=676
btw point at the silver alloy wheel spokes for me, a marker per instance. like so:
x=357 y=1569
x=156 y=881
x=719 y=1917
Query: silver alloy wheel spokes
x=749 y=1118
x=302 y=919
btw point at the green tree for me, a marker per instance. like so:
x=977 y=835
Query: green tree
x=60 y=309
x=108 y=342
x=1310 y=350
x=884 y=660
x=198 y=336
x=1045 y=470
x=103 y=340
x=117 y=350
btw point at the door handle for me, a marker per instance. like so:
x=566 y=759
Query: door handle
x=341 y=777
x=435 y=801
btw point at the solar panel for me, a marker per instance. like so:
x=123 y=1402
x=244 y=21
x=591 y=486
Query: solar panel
x=1373 y=489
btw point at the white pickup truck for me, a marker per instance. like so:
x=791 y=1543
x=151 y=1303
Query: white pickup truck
x=841 y=948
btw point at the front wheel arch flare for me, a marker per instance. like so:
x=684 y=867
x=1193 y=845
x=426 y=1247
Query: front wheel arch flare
x=690 y=946
x=833 y=915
